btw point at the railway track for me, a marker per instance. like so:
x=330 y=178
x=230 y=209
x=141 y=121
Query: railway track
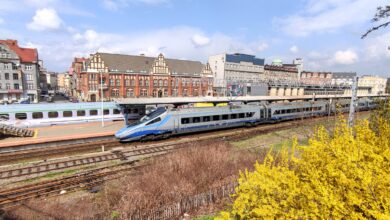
x=84 y=180
x=122 y=155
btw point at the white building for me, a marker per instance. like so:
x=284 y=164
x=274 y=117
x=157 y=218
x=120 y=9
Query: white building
x=235 y=68
x=377 y=83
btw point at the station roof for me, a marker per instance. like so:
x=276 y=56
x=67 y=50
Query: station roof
x=186 y=100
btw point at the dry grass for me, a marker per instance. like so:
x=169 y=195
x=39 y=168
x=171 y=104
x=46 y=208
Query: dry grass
x=188 y=171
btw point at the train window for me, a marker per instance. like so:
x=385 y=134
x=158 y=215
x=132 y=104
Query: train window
x=67 y=114
x=233 y=116
x=52 y=114
x=185 y=120
x=80 y=113
x=106 y=111
x=135 y=110
x=195 y=119
x=206 y=118
x=288 y=111
x=4 y=117
x=37 y=115
x=215 y=117
x=225 y=117
x=283 y=111
x=154 y=121
x=249 y=114
x=116 y=111
x=241 y=115
x=21 y=116
x=93 y=112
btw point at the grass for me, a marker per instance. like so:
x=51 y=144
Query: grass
x=52 y=175
x=205 y=217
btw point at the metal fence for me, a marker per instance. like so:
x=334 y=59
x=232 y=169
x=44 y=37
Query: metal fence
x=186 y=204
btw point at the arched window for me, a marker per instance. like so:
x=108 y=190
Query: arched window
x=160 y=82
x=165 y=82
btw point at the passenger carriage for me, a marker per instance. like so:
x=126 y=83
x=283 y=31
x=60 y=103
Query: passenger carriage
x=37 y=115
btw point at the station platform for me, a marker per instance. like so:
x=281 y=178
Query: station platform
x=64 y=132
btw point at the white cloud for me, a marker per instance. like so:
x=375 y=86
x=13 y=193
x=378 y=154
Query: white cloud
x=200 y=40
x=263 y=46
x=377 y=47
x=45 y=19
x=294 y=49
x=175 y=42
x=345 y=57
x=118 y=4
x=329 y=15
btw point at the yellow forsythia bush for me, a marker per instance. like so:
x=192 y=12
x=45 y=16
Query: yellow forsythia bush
x=339 y=175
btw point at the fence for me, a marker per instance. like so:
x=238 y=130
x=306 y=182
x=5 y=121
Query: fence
x=186 y=204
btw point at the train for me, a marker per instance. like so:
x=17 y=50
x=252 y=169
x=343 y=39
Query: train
x=164 y=123
x=39 y=115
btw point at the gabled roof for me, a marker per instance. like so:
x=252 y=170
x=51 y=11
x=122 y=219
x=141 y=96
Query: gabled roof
x=26 y=55
x=123 y=63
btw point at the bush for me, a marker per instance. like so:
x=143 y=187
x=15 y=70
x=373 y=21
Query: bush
x=339 y=175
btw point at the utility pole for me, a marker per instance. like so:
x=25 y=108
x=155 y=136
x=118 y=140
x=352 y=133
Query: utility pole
x=101 y=95
x=351 y=117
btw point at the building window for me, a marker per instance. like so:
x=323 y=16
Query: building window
x=6 y=76
x=6 y=67
x=132 y=82
x=155 y=82
x=28 y=67
x=16 y=86
x=165 y=92
x=165 y=82
x=141 y=82
x=160 y=82
x=127 y=82
x=112 y=82
x=29 y=76
x=115 y=93
x=146 y=82
x=15 y=76
x=144 y=92
x=130 y=93
x=7 y=86
x=30 y=86
x=118 y=82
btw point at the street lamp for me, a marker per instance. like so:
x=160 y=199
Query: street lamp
x=101 y=94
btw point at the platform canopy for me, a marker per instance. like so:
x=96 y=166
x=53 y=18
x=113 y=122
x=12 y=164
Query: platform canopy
x=245 y=99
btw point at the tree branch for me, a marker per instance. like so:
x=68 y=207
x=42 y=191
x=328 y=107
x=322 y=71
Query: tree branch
x=375 y=28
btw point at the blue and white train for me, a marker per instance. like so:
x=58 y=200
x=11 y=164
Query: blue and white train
x=164 y=123
x=38 y=115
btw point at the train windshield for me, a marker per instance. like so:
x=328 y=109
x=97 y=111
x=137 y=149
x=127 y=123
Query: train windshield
x=154 y=114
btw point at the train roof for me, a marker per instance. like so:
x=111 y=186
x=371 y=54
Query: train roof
x=208 y=109
x=16 y=108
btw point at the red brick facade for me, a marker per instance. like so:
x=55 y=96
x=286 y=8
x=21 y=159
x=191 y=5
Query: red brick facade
x=127 y=76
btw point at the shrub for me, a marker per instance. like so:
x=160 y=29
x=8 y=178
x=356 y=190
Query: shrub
x=339 y=175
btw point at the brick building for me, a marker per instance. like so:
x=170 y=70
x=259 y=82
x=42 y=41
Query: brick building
x=140 y=76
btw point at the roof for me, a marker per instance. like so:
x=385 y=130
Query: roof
x=27 y=55
x=239 y=57
x=80 y=59
x=14 y=108
x=343 y=75
x=281 y=68
x=132 y=63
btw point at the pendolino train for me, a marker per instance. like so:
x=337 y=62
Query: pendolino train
x=164 y=123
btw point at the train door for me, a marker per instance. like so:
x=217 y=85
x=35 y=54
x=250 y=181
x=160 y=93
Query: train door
x=176 y=125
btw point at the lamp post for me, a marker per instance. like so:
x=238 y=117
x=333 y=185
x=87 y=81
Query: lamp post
x=101 y=94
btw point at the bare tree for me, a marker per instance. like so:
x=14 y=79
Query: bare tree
x=382 y=12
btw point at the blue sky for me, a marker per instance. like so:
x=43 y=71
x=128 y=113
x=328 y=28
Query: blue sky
x=326 y=34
